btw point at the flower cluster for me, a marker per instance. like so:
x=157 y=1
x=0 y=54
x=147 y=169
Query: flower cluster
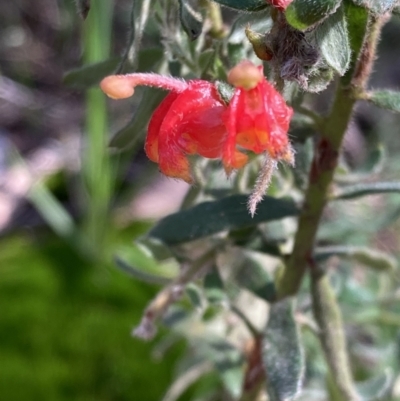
x=193 y=119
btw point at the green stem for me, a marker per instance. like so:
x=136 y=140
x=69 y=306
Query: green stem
x=217 y=30
x=323 y=166
x=96 y=164
x=320 y=178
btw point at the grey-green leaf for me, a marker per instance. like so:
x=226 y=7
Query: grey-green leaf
x=283 y=356
x=377 y=388
x=386 y=99
x=303 y=14
x=372 y=258
x=333 y=40
x=378 y=7
x=244 y=5
x=191 y=19
x=212 y=217
x=364 y=189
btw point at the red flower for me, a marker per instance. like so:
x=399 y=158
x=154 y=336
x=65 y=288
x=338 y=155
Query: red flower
x=257 y=118
x=188 y=121
x=193 y=119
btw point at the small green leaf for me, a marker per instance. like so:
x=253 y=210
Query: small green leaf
x=244 y=5
x=127 y=137
x=386 y=99
x=377 y=388
x=225 y=91
x=260 y=22
x=357 y=22
x=191 y=19
x=195 y=295
x=137 y=262
x=90 y=75
x=364 y=189
x=212 y=217
x=333 y=40
x=282 y=353
x=320 y=80
x=206 y=60
x=372 y=258
x=303 y=14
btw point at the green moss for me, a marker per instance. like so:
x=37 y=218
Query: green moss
x=65 y=328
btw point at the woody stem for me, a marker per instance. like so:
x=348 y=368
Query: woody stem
x=323 y=166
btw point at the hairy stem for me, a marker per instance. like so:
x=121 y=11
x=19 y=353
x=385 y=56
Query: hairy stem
x=323 y=166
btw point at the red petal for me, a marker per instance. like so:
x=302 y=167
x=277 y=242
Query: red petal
x=151 y=144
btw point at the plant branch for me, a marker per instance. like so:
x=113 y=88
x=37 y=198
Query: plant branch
x=323 y=166
x=169 y=294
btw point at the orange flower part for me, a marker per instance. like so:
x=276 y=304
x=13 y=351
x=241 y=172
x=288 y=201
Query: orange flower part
x=188 y=121
x=257 y=118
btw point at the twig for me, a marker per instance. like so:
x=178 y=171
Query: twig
x=169 y=294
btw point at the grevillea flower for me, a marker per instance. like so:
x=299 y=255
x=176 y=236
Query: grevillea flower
x=188 y=121
x=257 y=119
x=193 y=119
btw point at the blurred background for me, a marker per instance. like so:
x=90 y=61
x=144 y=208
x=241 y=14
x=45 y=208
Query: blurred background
x=66 y=311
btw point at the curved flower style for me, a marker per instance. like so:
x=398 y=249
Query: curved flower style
x=188 y=121
x=257 y=118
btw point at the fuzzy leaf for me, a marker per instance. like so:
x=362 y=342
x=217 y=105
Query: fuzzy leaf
x=357 y=18
x=378 y=7
x=386 y=99
x=282 y=353
x=320 y=80
x=191 y=19
x=357 y=190
x=303 y=14
x=212 y=217
x=377 y=388
x=333 y=40
x=244 y=5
